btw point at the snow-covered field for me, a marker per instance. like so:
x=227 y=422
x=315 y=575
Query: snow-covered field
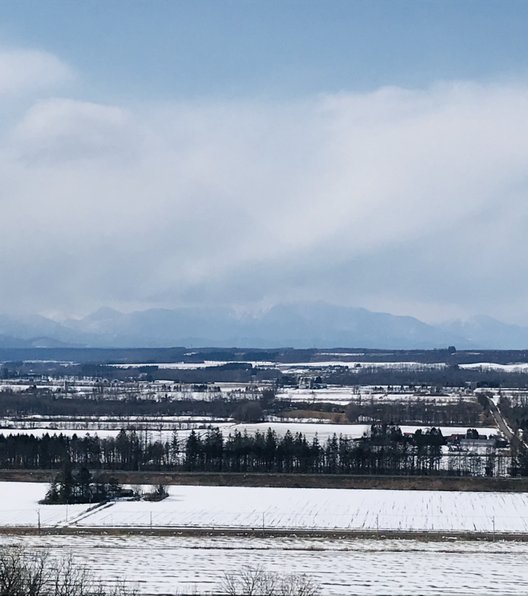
x=187 y=565
x=323 y=363
x=322 y=509
x=195 y=365
x=161 y=389
x=197 y=565
x=279 y=509
x=345 y=394
x=19 y=506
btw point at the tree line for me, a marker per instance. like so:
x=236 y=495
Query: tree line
x=386 y=450
x=417 y=410
x=40 y=402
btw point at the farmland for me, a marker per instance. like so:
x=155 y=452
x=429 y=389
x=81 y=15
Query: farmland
x=278 y=509
x=196 y=565
x=235 y=440
x=367 y=566
x=300 y=398
x=350 y=564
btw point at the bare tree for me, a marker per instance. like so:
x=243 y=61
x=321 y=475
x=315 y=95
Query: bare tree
x=256 y=581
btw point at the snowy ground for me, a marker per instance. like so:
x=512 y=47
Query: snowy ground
x=190 y=565
x=196 y=565
x=195 y=365
x=279 y=508
x=343 y=394
x=322 y=509
x=161 y=389
x=19 y=506
x=287 y=367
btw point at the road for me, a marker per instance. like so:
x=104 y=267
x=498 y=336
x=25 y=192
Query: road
x=516 y=442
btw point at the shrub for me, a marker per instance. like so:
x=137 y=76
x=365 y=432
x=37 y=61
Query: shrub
x=26 y=573
x=256 y=581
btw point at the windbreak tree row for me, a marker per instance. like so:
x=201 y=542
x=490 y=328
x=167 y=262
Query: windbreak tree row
x=384 y=451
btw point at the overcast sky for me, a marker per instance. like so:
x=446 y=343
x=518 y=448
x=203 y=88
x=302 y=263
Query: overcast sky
x=165 y=153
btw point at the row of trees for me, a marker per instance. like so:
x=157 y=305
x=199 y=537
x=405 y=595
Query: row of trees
x=37 y=402
x=385 y=451
x=408 y=411
x=451 y=376
x=246 y=406
x=417 y=410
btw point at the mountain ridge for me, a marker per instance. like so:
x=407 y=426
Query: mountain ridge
x=298 y=325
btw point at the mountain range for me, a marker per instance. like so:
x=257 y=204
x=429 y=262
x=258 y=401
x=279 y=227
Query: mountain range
x=299 y=325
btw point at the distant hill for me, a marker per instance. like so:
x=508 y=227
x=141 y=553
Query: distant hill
x=483 y=331
x=295 y=325
x=299 y=325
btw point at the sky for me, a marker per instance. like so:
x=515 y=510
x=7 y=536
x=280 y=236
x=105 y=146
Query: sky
x=247 y=153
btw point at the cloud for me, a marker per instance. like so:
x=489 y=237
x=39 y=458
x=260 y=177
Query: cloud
x=60 y=130
x=404 y=200
x=26 y=71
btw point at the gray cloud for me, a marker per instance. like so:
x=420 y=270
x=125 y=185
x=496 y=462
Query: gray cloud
x=405 y=200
